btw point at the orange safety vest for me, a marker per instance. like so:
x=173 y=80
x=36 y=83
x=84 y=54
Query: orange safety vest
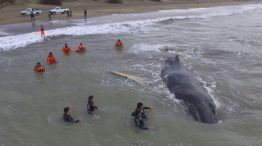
x=81 y=48
x=118 y=44
x=51 y=60
x=66 y=51
x=39 y=69
x=42 y=29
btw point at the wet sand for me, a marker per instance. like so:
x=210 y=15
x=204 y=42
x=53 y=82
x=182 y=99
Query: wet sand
x=11 y=13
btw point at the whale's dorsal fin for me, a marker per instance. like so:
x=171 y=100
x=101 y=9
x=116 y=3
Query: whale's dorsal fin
x=177 y=58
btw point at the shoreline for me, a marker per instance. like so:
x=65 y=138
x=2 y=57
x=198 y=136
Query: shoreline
x=97 y=9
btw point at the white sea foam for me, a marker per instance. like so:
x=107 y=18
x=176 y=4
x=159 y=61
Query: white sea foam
x=3 y=33
x=214 y=11
x=22 y=40
x=210 y=88
x=145 y=47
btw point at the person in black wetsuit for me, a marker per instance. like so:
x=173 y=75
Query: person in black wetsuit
x=91 y=105
x=139 y=115
x=67 y=117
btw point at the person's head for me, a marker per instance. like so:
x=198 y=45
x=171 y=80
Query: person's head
x=90 y=98
x=81 y=43
x=38 y=64
x=139 y=105
x=66 y=45
x=119 y=40
x=66 y=110
x=50 y=53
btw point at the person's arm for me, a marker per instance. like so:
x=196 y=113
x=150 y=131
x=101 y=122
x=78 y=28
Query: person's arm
x=76 y=120
x=146 y=107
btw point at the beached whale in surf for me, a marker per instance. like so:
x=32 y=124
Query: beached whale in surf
x=187 y=88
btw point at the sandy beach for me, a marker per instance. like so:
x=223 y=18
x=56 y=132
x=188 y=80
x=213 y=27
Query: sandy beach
x=10 y=13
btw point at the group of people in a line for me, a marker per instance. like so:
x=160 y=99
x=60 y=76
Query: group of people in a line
x=139 y=113
x=51 y=58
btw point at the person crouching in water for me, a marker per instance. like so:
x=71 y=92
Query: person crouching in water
x=66 y=49
x=39 y=68
x=81 y=48
x=67 y=117
x=139 y=115
x=91 y=105
x=51 y=59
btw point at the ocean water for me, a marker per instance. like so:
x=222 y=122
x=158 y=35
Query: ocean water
x=220 y=45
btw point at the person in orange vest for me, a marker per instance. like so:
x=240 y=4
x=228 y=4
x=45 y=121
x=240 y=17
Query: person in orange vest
x=81 y=48
x=119 y=43
x=42 y=30
x=51 y=59
x=66 y=49
x=39 y=68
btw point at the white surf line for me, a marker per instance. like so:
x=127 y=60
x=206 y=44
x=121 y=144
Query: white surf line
x=22 y=40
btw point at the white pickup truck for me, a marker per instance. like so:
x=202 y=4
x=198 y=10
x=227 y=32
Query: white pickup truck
x=28 y=11
x=59 y=10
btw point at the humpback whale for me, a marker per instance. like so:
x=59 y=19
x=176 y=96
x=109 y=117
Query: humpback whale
x=187 y=88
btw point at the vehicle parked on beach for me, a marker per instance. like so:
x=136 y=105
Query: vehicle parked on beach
x=28 y=11
x=59 y=10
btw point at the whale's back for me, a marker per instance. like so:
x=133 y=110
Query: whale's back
x=187 y=88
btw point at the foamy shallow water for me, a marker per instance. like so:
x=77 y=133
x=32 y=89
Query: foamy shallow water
x=220 y=45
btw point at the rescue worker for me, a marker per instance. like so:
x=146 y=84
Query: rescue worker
x=51 y=59
x=39 y=68
x=67 y=117
x=119 y=43
x=66 y=49
x=81 y=48
x=42 y=31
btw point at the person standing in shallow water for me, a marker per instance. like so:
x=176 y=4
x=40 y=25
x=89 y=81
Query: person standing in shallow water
x=67 y=117
x=49 y=15
x=51 y=59
x=139 y=116
x=39 y=68
x=91 y=105
x=66 y=49
x=42 y=31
